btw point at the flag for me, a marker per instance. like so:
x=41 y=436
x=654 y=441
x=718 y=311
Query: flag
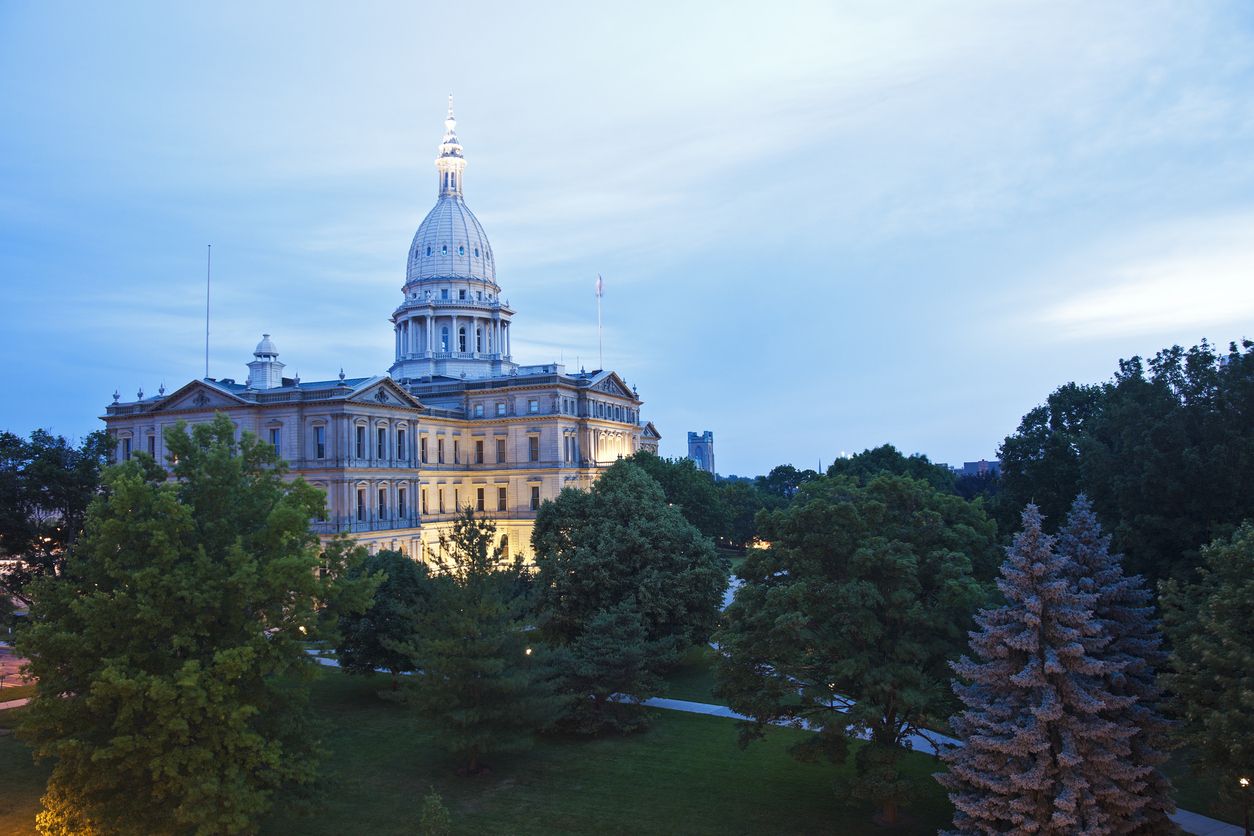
x=600 y=286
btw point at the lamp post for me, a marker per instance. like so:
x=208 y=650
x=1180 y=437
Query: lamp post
x=1245 y=803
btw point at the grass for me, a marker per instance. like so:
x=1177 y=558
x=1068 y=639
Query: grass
x=693 y=678
x=686 y=774
x=22 y=782
x=17 y=692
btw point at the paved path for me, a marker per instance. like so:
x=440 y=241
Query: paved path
x=4 y=706
x=926 y=742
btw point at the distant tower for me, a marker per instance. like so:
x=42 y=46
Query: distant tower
x=265 y=371
x=701 y=450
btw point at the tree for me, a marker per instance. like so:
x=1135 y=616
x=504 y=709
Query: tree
x=46 y=485
x=693 y=491
x=847 y=621
x=785 y=480
x=1210 y=623
x=886 y=459
x=485 y=684
x=1039 y=755
x=168 y=652
x=1164 y=451
x=381 y=636
x=607 y=670
x=743 y=500
x=1124 y=609
x=435 y=819
x=620 y=543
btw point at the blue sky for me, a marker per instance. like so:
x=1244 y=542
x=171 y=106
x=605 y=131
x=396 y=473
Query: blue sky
x=822 y=227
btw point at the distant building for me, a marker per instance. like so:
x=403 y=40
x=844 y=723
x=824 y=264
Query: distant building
x=456 y=422
x=983 y=467
x=701 y=450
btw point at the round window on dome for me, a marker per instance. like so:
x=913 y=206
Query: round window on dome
x=428 y=251
x=476 y=252
x=461 y=250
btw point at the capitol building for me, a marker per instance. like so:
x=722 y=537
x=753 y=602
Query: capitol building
x=454 y=423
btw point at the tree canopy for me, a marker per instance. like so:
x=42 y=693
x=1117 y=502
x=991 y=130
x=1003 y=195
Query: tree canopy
x=485 y=684
x=692 y=491
x=1164 y=451
x=1210 y=623
x=887 y=459
x=46 y=485
x=168 y=652
x=848 y=620
x=379 y=638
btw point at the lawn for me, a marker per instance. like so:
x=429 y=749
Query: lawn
x=684 y=775
x=693 y=678
x=17 y=692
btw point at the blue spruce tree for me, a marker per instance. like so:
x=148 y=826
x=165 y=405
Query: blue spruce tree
x=1141 y=793
x=1038 y=748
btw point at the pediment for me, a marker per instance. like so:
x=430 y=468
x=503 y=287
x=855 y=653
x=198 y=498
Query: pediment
x=383 y=391
x=612 y=384
x=198 y=395
x=650 y=431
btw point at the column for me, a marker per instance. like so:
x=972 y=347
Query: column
x=454 y=345
x=430 y=333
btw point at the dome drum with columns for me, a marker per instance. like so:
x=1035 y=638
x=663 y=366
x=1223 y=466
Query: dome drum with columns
x=456 y=423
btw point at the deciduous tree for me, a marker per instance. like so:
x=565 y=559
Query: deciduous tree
x=168 y=652
x=381 y=637
x=847 y=621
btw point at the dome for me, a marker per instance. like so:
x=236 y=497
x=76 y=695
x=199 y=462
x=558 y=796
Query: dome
x=266 y=346
x=451 y=243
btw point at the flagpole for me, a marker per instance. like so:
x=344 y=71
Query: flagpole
x=600 y=346
x=208 y=268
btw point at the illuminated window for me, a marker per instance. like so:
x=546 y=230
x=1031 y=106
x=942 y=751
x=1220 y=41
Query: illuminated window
x=383 y=503
x=533 y=406
x=533 y=448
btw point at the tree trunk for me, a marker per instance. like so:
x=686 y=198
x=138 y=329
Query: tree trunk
x=395 y=679
x=888 y=815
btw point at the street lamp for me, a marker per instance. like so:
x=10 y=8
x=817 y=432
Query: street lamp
x=1245 y=802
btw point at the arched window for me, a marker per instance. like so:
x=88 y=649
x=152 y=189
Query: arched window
x=461 y=338
x=479 y=340
x=444 y=249
x=461 y=250
x=476 y=252
x=444 y=338
x=428 y=251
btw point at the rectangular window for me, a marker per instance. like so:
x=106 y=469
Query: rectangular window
x=383 y=503
x=361 y=504
x=440 y=497
x=502 y=499
x=126 y=449
x=478 y=410
x=422 y=448
x=500 y=408
x=320 y=442
x=400 y=503
x=457 y=457
x=533 y=406
x=423 y=495
x=361 y=442
x=152 y=446
x=381 y=443
x=479 y=499
x=479 y=451
x=457 y=499
x=533 y=448
x=535 y=497
x=439 y=451
x=400 y=444
x=500 y=451
x=276 y=438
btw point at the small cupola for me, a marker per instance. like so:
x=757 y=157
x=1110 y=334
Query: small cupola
x=265 y=371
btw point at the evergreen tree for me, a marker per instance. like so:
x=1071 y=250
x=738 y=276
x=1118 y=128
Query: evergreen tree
x=847 y=622
x=485 y=686
x=1212 y=665
x=608 y=671
x=381 y=636
x=1124 y=609
x=168 y=652
x=1038 y=754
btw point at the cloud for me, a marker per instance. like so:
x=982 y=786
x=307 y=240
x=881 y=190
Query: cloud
x=1197 y=275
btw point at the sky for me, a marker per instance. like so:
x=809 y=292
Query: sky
x=822 y=227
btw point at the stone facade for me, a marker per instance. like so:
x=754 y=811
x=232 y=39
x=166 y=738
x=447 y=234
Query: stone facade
x=456 y=422
x=701 y=450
